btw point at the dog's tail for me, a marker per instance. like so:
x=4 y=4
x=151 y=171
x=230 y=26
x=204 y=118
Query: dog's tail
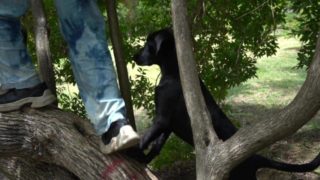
x=307 y=167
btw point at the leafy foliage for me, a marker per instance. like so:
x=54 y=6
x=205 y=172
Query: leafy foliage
x=142 y=91
x=232 y=34
x=71 y=102
x=307 y=14
x=229 y=37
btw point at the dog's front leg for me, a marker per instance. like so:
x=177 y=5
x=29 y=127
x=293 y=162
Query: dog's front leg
x=166 y=98
x=157 y=146
x=160 y=126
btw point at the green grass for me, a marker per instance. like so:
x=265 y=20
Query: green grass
x=277 y=78
x=276 y=84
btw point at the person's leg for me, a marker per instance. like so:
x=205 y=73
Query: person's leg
x=16 y=68
x=19 y=82
x=83 y=28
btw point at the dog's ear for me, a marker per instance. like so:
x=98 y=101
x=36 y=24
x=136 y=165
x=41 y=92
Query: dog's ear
x=164 y=40
x=159 y=40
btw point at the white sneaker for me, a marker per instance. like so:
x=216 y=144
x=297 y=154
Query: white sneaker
x=37 y=96
x=120 y=136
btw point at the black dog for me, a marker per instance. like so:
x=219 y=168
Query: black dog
x=171 y=113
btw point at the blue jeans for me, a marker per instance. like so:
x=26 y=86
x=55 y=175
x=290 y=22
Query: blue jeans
x=83 y=28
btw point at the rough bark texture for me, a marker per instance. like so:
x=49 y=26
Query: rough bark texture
x=202 y=128
x=214 y=158
x=116 y=39
x=42 y=45
x=28 y=169
x=51 y=139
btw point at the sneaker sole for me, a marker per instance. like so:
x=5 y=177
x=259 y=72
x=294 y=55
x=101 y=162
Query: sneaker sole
x=36 y=102
x=126 y=138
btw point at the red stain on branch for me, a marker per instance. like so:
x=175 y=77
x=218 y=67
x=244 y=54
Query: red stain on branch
x=110 y=168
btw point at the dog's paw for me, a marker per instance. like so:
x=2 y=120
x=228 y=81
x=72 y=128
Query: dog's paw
x=137 y=154
x=144 y=142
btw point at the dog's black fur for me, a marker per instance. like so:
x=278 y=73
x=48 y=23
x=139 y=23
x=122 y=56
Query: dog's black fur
x=171 y=113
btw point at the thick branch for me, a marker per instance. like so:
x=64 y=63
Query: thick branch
x=304 y=106
x=203 y=132
x=197 y=110
x=199 y=12
x=60 y=138
x=28 y=169
x=257 y=136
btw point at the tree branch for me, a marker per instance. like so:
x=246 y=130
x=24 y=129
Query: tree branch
x=116 y=39
x=27 y=169
x=304 y=106
x=63 y=139
x=42 y=45
x=202 y=128
x=198 y=112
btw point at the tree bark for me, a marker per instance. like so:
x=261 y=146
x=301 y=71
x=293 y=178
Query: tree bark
x=42 y=45
x=61 y=142
x=28 y=169
x=202 y=128
x=214 y=158
x=304 y=106
x=116 y=39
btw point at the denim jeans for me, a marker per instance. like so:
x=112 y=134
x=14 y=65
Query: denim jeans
x=83 y=29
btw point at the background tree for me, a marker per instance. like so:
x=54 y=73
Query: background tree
x=215 y=158
x=307 y=16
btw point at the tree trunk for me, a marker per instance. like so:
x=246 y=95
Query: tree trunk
x=116 y=39
x=61 y=143
x=214 y=158
x=202 y=128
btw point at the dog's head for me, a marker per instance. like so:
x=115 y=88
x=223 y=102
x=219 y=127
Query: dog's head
x=158 y=48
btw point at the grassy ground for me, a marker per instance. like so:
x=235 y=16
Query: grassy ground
x=277 y=80
x=276 y=84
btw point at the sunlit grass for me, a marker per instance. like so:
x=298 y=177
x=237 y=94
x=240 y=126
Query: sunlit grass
x=277 y=78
